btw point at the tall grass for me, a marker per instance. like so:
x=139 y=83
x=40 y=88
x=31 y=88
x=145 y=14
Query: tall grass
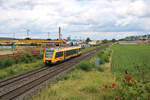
x=86 y=85
x=6 y=62
x=85 y=65
x=131 y=57
x=18 y=68
x=9 y=66
x=104 y=56
x=131 y=65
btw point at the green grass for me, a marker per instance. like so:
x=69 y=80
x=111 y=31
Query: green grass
x=80 y=85
x=19 y=68
x=10 y=67
x=132 y=61
x=131 y=57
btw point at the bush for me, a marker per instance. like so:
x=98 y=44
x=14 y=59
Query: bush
x=65 y=77
x=27 y=58
x=1 y=64
x=85 y=65
x=6 y=62
x=39 y=56
x=104 y=56
x=99 y=68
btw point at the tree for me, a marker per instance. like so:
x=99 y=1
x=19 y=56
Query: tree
x=113 y=40
x=88 y=40
x=105 y=41
x=27 y=38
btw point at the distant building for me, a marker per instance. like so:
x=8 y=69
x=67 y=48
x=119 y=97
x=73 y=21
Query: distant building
x=95 y=42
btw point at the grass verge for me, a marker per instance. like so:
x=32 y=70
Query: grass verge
x=9 y=66
x=19 y=68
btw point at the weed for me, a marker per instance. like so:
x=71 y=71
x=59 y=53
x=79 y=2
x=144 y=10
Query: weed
x=6 y=62
x=65 y=77
x=85 y=65
x=99 y=68
x=90 y=89
x=72 y=98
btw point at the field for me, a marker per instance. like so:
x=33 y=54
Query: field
x=131 y=66
x=131 y=57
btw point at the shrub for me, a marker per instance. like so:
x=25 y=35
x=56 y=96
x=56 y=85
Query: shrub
x=7 y=62
x=27 y=58
x=85 y=65
x=11 y=72
x=65 y=77
x=1 y=64
x=18 y=60
x=99 y=68
x=104 y=56
x=39 y=56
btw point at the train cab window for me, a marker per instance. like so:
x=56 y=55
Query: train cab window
x=49 y=53
x=59 y=54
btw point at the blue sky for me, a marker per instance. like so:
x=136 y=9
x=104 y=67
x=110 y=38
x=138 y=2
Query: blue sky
x=98 y=19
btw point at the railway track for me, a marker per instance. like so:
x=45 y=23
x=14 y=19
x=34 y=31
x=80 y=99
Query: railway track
x=19 y=86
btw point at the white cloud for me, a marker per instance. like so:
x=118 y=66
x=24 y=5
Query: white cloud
x=74 y=16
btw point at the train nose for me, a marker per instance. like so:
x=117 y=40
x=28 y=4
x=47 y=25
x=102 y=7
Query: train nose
x=48 y=62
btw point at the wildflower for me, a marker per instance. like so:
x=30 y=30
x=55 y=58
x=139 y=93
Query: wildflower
x=106 y=86
x=128 y=78
x=113 y=85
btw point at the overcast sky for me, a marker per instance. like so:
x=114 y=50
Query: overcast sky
x=97 y=19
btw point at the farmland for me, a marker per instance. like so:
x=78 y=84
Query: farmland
x=131 y=66
x=130 y=57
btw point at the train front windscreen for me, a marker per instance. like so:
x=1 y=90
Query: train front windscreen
x=49 y=53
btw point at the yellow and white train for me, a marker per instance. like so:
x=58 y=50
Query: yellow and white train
x=54 y=55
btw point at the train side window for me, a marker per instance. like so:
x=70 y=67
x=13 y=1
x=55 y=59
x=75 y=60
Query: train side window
x=59 y=54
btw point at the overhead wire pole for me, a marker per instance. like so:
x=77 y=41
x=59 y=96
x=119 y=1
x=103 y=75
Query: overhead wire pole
x=14 y=35
x=60 y=36
x=48 y=35
x=59 y=33
x=13 y=44
x=28 y=33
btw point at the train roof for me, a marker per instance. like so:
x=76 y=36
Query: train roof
x=64 y=48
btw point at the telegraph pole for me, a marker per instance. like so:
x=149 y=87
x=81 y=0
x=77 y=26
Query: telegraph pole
x=48 y=35
x=14 y=35
x=59 y=33
x=60 y=36
x=28 y=33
